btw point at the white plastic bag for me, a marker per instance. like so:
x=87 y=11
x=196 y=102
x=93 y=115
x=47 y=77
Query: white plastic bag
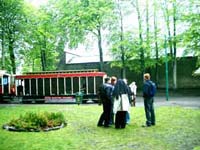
x=121 y=104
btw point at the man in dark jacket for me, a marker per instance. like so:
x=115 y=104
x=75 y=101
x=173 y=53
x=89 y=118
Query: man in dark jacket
x=148 y=101
x=105 y=96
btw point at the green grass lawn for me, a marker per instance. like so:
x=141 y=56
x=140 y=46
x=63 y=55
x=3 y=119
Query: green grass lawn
x=177 y=128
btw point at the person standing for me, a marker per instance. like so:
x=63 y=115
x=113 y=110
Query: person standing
x=113 y=82
x=148 y=101
x=133 y=88
x=121 y=103
x=105 y=97
x=129 y=96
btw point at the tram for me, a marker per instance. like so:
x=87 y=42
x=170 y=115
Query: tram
x=54 y=86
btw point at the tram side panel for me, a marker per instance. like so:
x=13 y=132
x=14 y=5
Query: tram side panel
x=62 y=87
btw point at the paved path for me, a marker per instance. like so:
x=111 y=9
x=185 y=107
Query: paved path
x=183 y=101
x=190 y=101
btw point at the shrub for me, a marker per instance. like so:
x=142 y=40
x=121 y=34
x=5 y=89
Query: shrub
x=33 y=121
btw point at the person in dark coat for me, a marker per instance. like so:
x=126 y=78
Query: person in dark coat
x=129 y=96
x=113 y=82
x=148 y=102
x=105 y=96
x=120 y=89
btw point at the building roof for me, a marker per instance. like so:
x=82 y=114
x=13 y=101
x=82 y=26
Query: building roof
x=197 y=72
x=77 y=57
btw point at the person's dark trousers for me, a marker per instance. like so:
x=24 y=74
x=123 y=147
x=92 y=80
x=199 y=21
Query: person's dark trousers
x=149 y=111
x=101 y=120
x=105 y=116
x=120 y=119
x=111 y=115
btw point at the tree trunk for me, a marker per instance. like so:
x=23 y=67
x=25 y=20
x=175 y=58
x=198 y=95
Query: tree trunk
x=2 y=49
x=155 y=39
x=141 y=39
x=11 y=52
x=174 y=45
x=2 y=36
x=147 y=26
x=100 y=49
x=166 y=14
x=123 y=69
x=43 y=55
x=171 y=43
x=43 y=59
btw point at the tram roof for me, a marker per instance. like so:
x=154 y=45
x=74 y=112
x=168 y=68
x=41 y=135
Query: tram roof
x=62 y=71
x=60 y=75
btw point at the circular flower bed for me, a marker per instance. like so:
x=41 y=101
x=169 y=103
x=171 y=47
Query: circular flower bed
x=35 y=122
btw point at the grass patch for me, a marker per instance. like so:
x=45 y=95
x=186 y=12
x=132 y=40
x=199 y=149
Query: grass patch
x=176 y=128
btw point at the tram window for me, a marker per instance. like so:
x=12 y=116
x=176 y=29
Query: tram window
x=99 y=81
x=47 y=86
x=5 y=85
x=54 y=86
x=68 y=85
x=40 y=86
x=5 y=80
x=61 y=85
x=75 y=84
x=83 y=85
x=27 y=86
x=91 y=85
x=33 y=86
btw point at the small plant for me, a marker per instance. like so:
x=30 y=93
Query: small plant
x=42 y=121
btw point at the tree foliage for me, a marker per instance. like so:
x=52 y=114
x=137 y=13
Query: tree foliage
x=192 y=34
x=81 y=18
x=35 y=38
x=11 y=26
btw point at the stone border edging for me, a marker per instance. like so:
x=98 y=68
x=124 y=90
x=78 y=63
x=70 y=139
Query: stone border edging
x=12 y=128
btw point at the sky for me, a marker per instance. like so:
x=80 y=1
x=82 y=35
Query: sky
x=37 y=3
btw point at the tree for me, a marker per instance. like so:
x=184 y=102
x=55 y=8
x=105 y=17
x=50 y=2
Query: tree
x=44 y=39
x=83 y=18
x=121 y=40
x=140 y=37
x=155 y=7
x=123 y=70
x=12 y=17
x=171 y=39
x=192 y=35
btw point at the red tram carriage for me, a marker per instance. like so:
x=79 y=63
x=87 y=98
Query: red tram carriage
x=57 y=86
